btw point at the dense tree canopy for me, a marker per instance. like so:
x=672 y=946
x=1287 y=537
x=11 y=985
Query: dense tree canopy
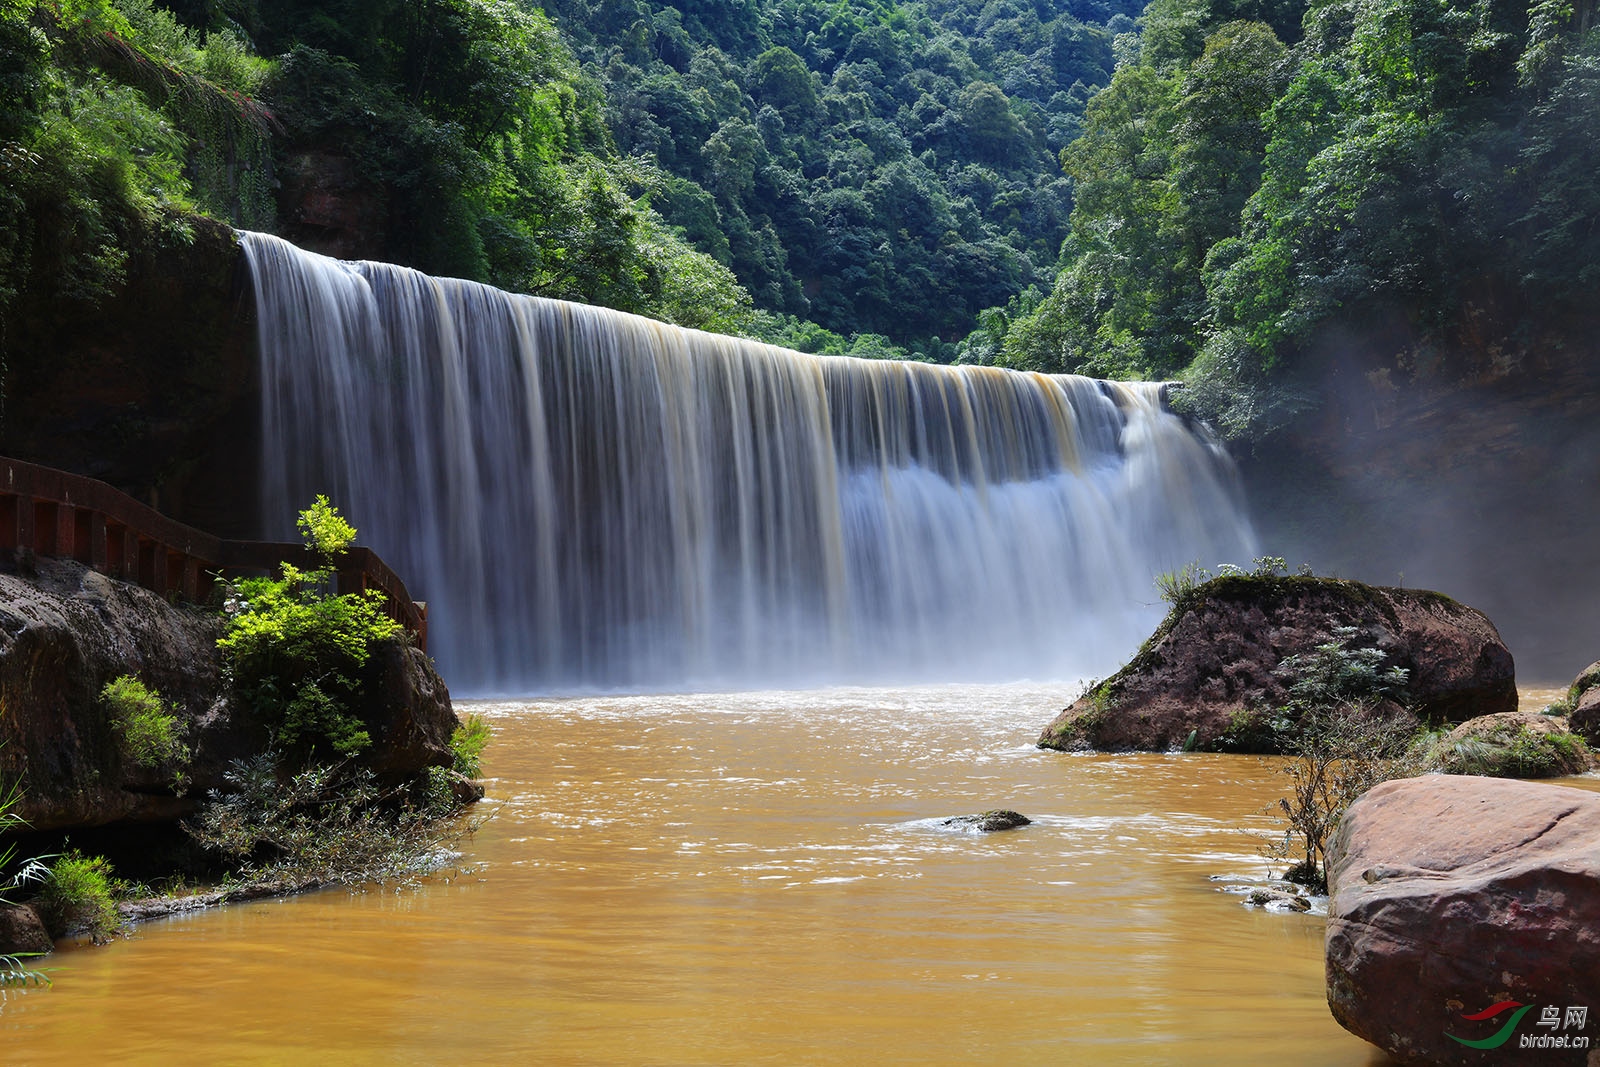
x=1198 y=189
x=1240 y=192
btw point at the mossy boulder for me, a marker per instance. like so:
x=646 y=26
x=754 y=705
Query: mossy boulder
x=1206 y=678
x=1513 y=744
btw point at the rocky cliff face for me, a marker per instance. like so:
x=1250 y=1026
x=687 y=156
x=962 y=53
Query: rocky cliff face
x=1211 y=663
x=153 y=390
x=65 y=631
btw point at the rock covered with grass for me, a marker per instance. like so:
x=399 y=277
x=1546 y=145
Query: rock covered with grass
x=1511 y=744
x=1211 y=675
x=1452 y=896
x=1582 y=704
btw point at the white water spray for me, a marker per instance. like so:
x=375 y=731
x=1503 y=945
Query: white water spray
x=592 y=499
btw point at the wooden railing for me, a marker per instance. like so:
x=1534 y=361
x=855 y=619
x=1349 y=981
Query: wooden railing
x=53 y=513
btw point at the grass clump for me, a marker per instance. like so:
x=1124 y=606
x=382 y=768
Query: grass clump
x=149 y=733
x=15 y=875
x=1508 y=750
x=467 y=743
x=79 y=896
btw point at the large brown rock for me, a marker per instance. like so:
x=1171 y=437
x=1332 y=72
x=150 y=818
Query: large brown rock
x=1452 y=895
x=1210 y=664
x=65 y=631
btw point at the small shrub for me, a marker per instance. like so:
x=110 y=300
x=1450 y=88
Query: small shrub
x=467 y=744
x=325 y=530
x=323 y=824
x=296 y=653
x=150 y=735
x=1339 y=743
x=79 y=895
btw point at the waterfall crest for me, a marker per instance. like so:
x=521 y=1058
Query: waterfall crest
x=590 y=499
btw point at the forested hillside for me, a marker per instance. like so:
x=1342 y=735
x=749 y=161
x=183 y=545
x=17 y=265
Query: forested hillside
x=873 y=167
x=1261 y=193
x=860 y=176
x=802 y=171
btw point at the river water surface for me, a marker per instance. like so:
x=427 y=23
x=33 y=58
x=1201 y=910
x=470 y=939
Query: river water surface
x=756 y=878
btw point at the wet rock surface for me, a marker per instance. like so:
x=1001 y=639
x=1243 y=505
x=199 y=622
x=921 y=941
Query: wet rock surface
x=1210 y=664
x=1451 y=895
x=987 y=821
x=22 y=932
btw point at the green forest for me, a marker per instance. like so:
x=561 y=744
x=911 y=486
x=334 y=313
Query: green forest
x=1204 y=190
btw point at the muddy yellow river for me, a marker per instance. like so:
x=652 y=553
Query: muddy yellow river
x=755 y=878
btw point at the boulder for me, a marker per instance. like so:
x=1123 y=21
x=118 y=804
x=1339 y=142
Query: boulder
x=22 y=932
x=66 y=630
x=1585 y=718
x=1513 y=744
x=988 y=821
x=1453 y=897
x=1584 y=700
x=1209 y=666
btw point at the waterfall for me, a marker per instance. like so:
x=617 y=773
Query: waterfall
x=590 y=499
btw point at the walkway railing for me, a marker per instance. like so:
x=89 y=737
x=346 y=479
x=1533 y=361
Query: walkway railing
x=69 y=516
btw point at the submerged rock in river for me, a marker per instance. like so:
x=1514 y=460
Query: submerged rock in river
x=1451 y=897
x=987 y=821
x=1210 y=665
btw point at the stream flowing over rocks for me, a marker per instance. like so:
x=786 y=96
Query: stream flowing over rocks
x=1450 y=896
x=66 y=630
x=1211 y=663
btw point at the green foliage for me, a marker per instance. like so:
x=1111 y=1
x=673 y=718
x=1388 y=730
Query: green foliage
x=322 y=824
x=79 y=896
x=875 y=169
x=1336 y=675
x=467 y=743
x=149 y=733
x=1509 y=751
x=296 y=653
x=14 y=876
x=1338 y=742
x=326 y=531
x=1239 y=200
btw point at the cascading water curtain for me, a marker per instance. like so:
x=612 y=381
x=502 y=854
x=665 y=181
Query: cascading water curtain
x=588 y=499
